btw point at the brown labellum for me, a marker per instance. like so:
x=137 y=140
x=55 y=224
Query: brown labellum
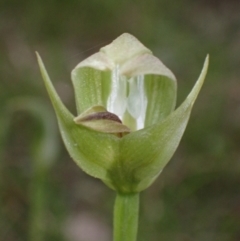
x=99 y=119
x=102 y=116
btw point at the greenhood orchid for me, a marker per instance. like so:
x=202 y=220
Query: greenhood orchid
x=126 y=129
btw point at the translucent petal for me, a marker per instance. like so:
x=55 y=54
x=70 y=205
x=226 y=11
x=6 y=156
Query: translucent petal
x=117 y=99
x=160 y=87
x=137 y=101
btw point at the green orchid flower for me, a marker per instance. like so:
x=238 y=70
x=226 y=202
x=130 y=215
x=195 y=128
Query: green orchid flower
x=126 y=129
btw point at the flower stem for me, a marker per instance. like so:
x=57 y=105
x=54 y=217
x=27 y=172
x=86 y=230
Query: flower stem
x=126 y=217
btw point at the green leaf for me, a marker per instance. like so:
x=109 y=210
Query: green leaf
x=93 y=151
x=145 y=153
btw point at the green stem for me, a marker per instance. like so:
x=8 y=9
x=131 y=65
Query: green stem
x=126 y=211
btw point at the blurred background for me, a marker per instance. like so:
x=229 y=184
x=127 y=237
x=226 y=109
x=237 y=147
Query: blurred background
x=43 y=195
